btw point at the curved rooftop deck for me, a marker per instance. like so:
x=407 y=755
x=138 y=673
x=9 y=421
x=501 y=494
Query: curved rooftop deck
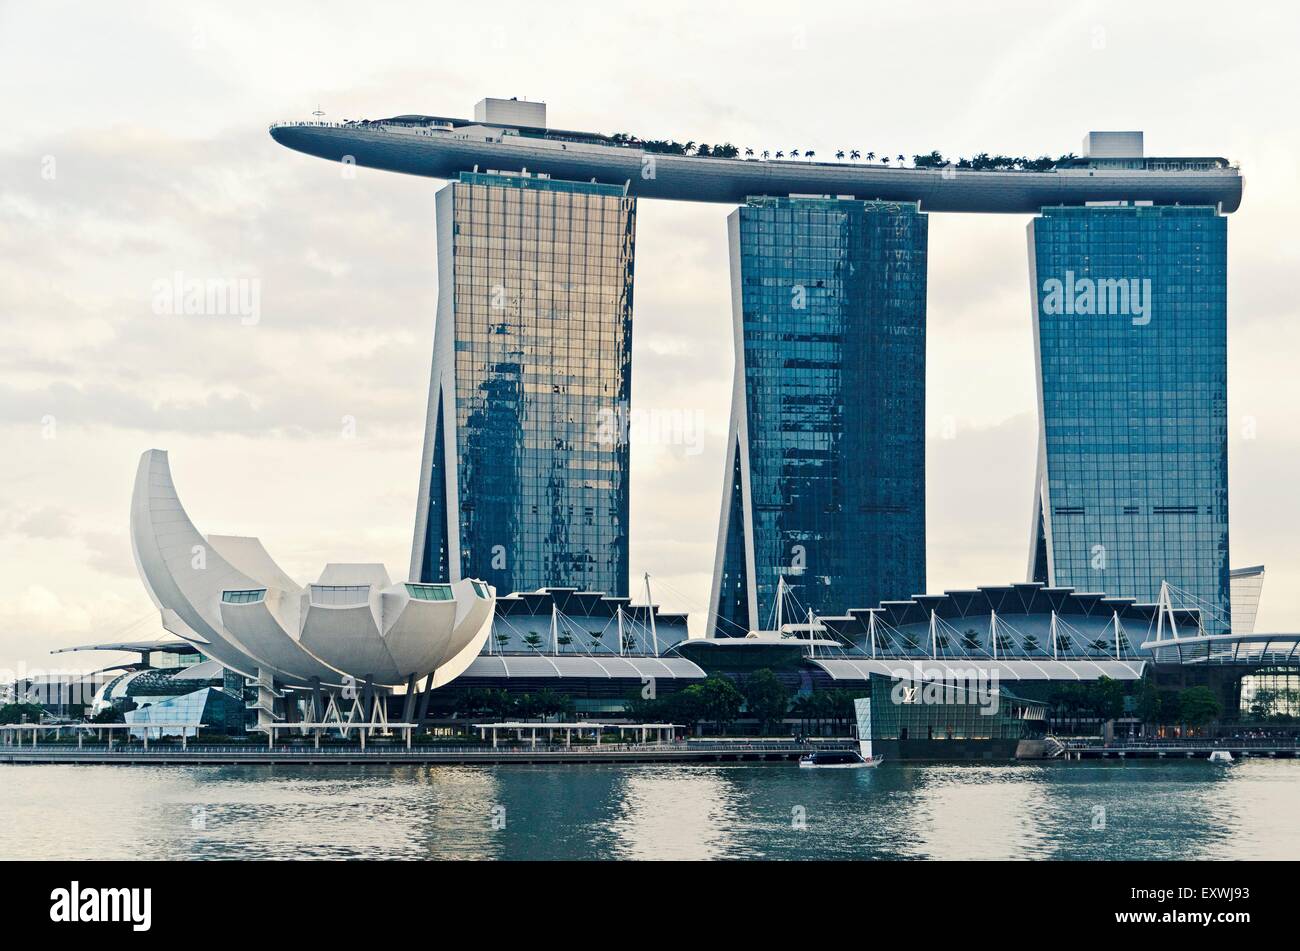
x=447 y=147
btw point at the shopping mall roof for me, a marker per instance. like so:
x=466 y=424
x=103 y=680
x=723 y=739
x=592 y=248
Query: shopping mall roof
x=564 y=666
x=862 y=668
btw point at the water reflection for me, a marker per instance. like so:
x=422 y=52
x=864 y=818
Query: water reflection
x=976 y=811
x=677 y=813
x=1090 y=810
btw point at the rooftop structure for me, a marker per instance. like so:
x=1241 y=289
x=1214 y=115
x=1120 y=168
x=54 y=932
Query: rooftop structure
x=510 y=112
x=597 y=649
x=511 y=136
x=1098 y=145
x=566 y=621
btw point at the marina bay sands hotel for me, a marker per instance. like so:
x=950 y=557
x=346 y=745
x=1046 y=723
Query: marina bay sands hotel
x=524 y=477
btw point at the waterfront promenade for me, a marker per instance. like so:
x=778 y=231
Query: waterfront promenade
x=1271 y=747
x=197 y=753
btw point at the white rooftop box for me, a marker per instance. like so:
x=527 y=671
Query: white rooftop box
x=510 y=112
x=1112 y=145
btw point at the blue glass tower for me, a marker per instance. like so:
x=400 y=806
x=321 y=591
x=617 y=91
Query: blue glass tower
x=1130 y=339
x=524 y=477
x=825 y=471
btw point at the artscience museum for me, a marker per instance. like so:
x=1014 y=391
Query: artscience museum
x=352 y=628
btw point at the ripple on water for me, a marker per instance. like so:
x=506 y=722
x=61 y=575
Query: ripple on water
x=1078 y=810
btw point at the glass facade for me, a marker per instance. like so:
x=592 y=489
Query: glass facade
x=951 y=711
x=430 y=592
x=1131 y=346
x=243 y=597
x=525 y=475
x=335 y=595
x=217 y=711
x=1245 y=585
x=1272 y=692
x=825 y=479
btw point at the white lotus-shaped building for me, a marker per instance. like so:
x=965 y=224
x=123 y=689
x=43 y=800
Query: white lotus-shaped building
x=227 y=596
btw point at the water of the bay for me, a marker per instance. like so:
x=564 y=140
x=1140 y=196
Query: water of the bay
x=1080 y=810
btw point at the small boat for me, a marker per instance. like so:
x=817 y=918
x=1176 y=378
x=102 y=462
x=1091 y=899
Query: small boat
x=860 y=758
x=1223 y=757
x=835 y=759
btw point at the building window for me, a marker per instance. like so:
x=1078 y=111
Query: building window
x=334 y=595
x=243 y=597
x=430 y=592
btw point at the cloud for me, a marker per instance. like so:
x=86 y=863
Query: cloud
x=45 y=522
x=111 y=180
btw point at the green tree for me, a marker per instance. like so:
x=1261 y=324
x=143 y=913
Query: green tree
x=840 y=708
x=21 y=713
x=719 y=701
x=1109 y=697
x=684 y=706
x=552 y=703
x=1148 y=703
x=1171 y=707
x=1288 y=700
x=1263 y=704
x=766 y=698
x=528 y=706
x=1200 y=706
x=640 y=709
x=805 y=707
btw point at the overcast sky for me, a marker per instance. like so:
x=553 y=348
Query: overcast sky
x=135 y=148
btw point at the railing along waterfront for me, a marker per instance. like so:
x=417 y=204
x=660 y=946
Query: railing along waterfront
x=1193 y=743
x=378 y=748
